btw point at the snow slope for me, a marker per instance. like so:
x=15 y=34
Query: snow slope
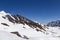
x=8 y=36
x=26 y=32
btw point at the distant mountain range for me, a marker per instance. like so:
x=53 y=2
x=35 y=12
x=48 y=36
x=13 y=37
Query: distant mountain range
x=54 y=23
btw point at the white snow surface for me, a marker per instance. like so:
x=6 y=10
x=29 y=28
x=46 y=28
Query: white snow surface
x=53 y=33
x=8 y=36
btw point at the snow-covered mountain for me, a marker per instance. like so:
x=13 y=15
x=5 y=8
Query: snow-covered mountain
x=17 y=27
x=54 y=23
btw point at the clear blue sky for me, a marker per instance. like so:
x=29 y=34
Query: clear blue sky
x=41 y=10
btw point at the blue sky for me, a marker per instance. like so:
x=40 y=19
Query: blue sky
x=40 y=10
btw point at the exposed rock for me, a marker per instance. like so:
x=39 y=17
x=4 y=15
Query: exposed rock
x=16 y=34
x=5 y=24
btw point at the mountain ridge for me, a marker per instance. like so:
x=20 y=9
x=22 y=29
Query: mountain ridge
x=54 y=23
x=7 y=20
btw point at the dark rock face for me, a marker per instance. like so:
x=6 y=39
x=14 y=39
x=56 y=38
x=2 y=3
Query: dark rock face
x=10 y=18
x=16 y=34
x=5 y=24
x=22 y=20
x=3 y=17
x=54 y=23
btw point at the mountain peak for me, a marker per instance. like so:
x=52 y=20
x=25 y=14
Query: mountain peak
x=3 y=13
